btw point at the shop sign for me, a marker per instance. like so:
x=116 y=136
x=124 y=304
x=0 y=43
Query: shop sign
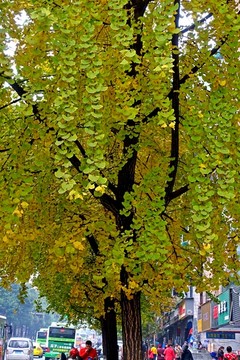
x=214 y=323
x=185 y=308
x=223 y=308
x=215 y=311
x=220 y=335
x=206 y=318
x=182 y=310
x=199 y=325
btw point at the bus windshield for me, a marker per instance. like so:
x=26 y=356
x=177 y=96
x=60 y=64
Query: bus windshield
x=62 y=332
x=42 y=335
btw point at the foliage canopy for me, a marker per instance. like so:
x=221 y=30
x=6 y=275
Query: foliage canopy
x=119 y=144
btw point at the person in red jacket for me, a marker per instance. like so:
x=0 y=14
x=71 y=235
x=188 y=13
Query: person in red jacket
x=73 y=353
x=88 y=352
x=169 y=353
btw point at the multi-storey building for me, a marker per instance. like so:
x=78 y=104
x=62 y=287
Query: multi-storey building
x=180 y=323
x=215 y=320
x=219 y=319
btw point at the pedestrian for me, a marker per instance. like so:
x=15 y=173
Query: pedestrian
x=178 y=351
x=169 y=353
x=229 y=355
x=144 y=350
x=150 y=354
x=88 y=352
x=220 y=353
x=63 y=356
x=154 y=351
x=73 y=353
x=184 y=345
x=186 y=354
x=160 y=352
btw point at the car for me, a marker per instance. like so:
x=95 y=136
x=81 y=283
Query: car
x=45 y=348
x=19 y=348
x=37 y=350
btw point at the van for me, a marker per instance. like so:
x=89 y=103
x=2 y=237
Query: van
x=19 y=348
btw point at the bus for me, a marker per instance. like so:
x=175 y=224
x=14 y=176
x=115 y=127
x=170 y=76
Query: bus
x=3 y=325
x=60 y=339
x=41 y=336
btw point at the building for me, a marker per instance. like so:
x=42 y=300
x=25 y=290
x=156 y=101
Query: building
x=212 y=319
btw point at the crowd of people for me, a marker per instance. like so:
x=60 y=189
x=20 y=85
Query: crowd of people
x=85 y=353
x=178 y=352
x=169 y=352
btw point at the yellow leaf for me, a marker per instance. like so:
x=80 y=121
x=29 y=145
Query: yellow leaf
x=17 y=212
x=207 y=247
x=222 y=82
x=24 y=204
x=101 y=189
x=5 y=239
x=78 y=245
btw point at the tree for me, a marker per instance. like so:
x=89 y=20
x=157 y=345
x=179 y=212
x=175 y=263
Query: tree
x=119 y=144
x=21 y=316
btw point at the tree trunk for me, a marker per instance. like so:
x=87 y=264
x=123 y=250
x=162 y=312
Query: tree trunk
x=131 y=327
x=109 y=331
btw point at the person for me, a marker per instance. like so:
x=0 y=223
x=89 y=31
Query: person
x=73 y=353
x=229 y=355
x=160 y=352
x=178 y=351
x=220 y=353
x=169 y=353
x=154 y=351
x=144 y=350
x=186 y=354
x=88 y=352
x=63 y=356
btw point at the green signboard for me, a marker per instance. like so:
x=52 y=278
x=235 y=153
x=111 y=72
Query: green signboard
x=224 y=308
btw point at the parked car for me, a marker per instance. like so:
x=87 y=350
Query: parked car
x=19 y=348
x=37 y=350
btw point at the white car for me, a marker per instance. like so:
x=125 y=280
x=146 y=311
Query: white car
x=19 y=348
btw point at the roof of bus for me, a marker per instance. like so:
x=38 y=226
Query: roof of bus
x=56 y=324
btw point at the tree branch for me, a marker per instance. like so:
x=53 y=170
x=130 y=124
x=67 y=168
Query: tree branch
x=106 y=200
x=179 y=192
x=12 y=102
x=198 y=67
x=173 y=165
x=184 y=79
x=192 y=27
